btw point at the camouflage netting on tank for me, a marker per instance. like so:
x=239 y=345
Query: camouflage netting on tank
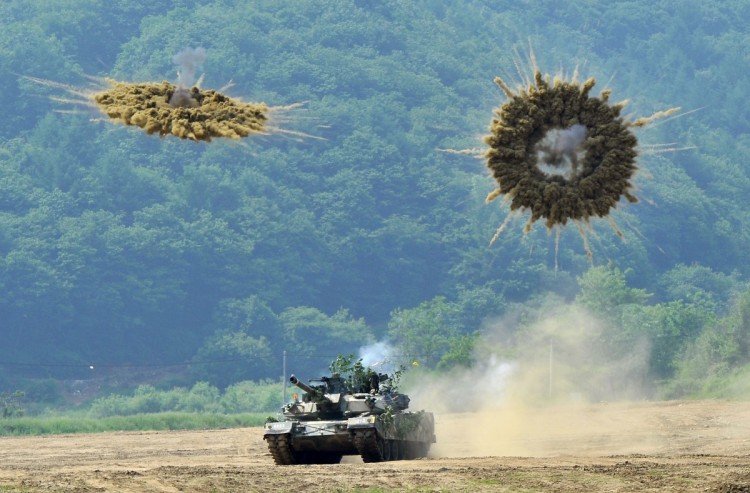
x=192 y=114
x=600 y=161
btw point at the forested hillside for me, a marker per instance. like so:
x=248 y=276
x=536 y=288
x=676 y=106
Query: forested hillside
x=348 y=225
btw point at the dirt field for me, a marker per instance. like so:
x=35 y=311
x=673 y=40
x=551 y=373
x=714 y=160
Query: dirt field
x=667 y=446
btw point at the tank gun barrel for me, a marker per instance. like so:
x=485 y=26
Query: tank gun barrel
x=295 y=381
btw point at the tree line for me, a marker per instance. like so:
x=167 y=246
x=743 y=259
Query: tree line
x=120 y=248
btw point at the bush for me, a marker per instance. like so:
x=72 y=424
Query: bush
x=139 y=422
x=252 y=397
x=10 y=404
x=242 y=397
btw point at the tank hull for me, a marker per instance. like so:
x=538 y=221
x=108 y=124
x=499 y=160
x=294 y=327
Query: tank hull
x=376 y=438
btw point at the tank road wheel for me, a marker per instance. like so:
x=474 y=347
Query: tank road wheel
x=398 y=451
x=281 y=450
x=395 y=450
x=369 y=446
x=408 y=451
x=386 y=447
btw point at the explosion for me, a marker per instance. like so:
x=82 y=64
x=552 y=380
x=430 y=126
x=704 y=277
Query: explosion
x=561 y=153
x=184 y=109
x=167 y=109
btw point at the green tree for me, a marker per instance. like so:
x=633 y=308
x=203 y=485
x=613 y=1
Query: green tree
x=685 y=282
x=10 y=404
x=244 y=336
x=423 y=333
x=460 y=352
x=605 y=292
x=232 y=356
x=669 y=328
x=720 y=349
x=116 y=245
x=312 y=338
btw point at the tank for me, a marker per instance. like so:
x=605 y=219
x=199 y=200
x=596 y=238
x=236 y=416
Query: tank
x=334 y=418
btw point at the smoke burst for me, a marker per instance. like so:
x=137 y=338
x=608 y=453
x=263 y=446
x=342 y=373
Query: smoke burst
x=379 y=356
x=183 y=110
x=201 y=115
x=561 y=154
x=189 y=59
x=560 y=151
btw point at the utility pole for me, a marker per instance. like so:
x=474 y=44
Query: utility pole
x=283 y=378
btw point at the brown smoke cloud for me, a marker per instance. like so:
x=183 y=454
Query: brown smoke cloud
x=561 y=381
x=596 y=140
x=208 y=115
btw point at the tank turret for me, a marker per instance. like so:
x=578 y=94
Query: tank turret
x=309 y=390
x=322 y=400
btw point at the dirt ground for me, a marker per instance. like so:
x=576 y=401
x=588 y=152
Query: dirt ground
x=663 y=446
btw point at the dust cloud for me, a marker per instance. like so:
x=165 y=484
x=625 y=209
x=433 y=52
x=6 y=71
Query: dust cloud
x=551 y=387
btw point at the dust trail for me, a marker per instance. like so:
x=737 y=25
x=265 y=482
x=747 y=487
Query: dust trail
x=536 y=402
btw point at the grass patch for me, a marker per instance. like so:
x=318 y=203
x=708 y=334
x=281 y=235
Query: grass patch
x=728 y=384
x=138 y=422
x=732 y=386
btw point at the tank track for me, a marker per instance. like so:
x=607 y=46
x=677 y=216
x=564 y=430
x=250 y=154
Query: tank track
x=374 y=449
x=283 y=454
x=281 y=450
x=366 y=442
